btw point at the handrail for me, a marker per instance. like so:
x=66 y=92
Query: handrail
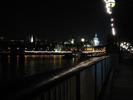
x=54 y=79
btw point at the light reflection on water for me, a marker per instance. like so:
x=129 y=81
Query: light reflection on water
x=42 y=63
x=28 y=65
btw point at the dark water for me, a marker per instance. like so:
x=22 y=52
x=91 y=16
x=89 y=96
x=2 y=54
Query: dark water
x=20 y=66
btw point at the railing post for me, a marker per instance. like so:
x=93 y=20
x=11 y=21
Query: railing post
x=95 y=81
x=74 y=83
x=78 y=93
x=105 y=68
x=102 y=82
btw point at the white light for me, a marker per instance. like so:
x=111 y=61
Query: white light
x=105 y=1
x=109 y=10
x=112 y=19
x=32 y=39
x=126 y=48
x=109 y=4
x=47 y=51
x=112 y=25
x=72 y=41
x=113 y=31
x=121 y=44
x=128 y=44
x=82 y=40
x=124 y=42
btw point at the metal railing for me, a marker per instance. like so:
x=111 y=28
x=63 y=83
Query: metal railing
x=82 y=82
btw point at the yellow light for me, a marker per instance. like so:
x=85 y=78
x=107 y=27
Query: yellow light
x=112 y=5
x=109 y=4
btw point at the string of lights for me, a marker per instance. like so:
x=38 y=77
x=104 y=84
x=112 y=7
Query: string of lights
x=109 y=5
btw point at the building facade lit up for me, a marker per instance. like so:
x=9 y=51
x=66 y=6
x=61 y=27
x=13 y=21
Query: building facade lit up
x=96 y=40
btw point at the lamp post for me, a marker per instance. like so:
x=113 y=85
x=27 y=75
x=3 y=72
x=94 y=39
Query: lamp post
x=109 y=5
x=83 y=41
x=115 y=42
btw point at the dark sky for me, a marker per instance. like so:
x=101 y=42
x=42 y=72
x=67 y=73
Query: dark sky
x=61 y=20
x=123 y=13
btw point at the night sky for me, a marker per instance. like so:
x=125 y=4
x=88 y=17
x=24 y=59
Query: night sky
x=61 y=20
x=124 y=19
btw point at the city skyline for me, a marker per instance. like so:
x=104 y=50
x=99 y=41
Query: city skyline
x=58 y=20
x=53 y=20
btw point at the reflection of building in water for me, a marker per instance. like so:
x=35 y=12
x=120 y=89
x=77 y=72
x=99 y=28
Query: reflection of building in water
x=96 y=40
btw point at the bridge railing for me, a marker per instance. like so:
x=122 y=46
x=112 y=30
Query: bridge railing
x=82 y=82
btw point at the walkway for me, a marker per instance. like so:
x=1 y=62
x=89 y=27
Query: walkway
x=122 y=84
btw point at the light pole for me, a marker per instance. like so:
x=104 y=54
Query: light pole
x=109 y=5
x=83 y=41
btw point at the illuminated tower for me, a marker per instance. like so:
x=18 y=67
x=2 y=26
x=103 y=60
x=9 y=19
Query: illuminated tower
x=31 y=38
x=96 y=41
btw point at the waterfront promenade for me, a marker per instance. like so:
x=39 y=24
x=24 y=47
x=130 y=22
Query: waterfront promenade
x=122 y=83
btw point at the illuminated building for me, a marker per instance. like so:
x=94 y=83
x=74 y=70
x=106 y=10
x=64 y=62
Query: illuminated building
x=72 y=41
x=96 y=41
x=33 y=38
x=58 y=48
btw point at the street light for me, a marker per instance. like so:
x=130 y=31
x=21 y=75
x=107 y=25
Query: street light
x=112 y=25
x=113 y=31
x=109 y=4
x=112 y=19
x=82 y=39
x=82 y=44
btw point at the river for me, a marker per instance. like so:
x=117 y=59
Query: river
x=21 y=66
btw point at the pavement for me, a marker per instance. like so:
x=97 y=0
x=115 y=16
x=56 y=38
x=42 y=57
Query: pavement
x=122 y=81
